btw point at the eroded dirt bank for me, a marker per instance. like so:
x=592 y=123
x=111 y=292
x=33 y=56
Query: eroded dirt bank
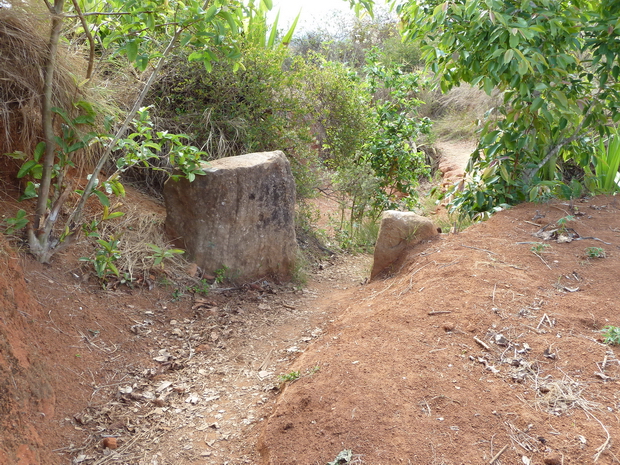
x=479 y=345
x=484 y=342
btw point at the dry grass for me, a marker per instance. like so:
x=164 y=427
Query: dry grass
x=136 y=230
x=23 y=48
x=455 y=114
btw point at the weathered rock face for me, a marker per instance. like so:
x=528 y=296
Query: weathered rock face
x=240 y=215
x=399 y=231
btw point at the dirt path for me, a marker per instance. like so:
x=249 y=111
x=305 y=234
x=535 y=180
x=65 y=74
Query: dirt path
x=454 y=157
x=190 y=381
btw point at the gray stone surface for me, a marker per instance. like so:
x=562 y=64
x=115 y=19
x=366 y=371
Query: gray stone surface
x=399 y=231
x=240 y=215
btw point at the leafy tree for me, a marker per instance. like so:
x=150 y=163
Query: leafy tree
x=261 y=107
x=556 y=63
x=392 y=150
x=146 y=32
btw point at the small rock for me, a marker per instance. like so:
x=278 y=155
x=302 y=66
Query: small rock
x=448 y=326
x=553 y=459
x=109 y=443
x=203 y=348
x=192 y=270
x=192 y=399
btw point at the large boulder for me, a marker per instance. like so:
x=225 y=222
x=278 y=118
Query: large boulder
x=398 y=232
x=238 y=217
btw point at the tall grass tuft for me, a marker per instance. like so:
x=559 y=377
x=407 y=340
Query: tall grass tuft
x=606 y=163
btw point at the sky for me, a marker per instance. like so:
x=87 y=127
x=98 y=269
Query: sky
x=313 y=12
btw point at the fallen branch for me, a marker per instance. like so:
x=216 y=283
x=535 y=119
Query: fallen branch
x=477 y=248
x=439 y=312
x=498 y=454
x=542 y=260
x=482 y=343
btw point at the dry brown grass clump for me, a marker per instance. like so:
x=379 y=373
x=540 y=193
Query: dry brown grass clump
x=456 y=112
x=23 y=52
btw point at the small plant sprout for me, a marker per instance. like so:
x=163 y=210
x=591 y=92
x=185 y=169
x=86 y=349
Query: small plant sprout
x=539 y=248
x=611 y=335
x=313 y=370
x=595 y=252
x=105 y=257
x=221 y=274
x=16 y=223
x=201 y=288
x=161 y=254
x=290 y=377
x=562 y=223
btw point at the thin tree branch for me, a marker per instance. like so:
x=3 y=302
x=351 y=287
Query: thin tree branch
x=76 y=216
x=529 y=174
x=103 y=13
x=89 y=36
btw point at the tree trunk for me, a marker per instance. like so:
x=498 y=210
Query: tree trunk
x=39 y=240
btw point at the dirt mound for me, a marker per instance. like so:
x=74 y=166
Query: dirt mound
x=26 y=393
x=485 y=342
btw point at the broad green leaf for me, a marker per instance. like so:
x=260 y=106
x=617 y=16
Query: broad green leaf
x=30 y=192
x=131 y=48
x=488 y=85
x=142 y=62
x=230 y=19
x=75 y=147
x=508 y=55
x=537 y=103
x=84 y=119
x=26 y=168
x=102 y=198
x=39 y=151
x=514 y=40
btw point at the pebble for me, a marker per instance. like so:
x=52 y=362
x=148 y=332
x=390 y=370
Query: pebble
x=553 y=459
x=109 y=443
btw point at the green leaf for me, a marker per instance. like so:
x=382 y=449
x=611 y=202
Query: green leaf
x=289 y=35
x=488 y=86
x=514 y=40
x=26 y=168
x=508 y=56
x=30 y=192
x=102 y=198
x=230 y=19
x=131 y=48
x=113 y=268
x=274 y=31
x=537 y=103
